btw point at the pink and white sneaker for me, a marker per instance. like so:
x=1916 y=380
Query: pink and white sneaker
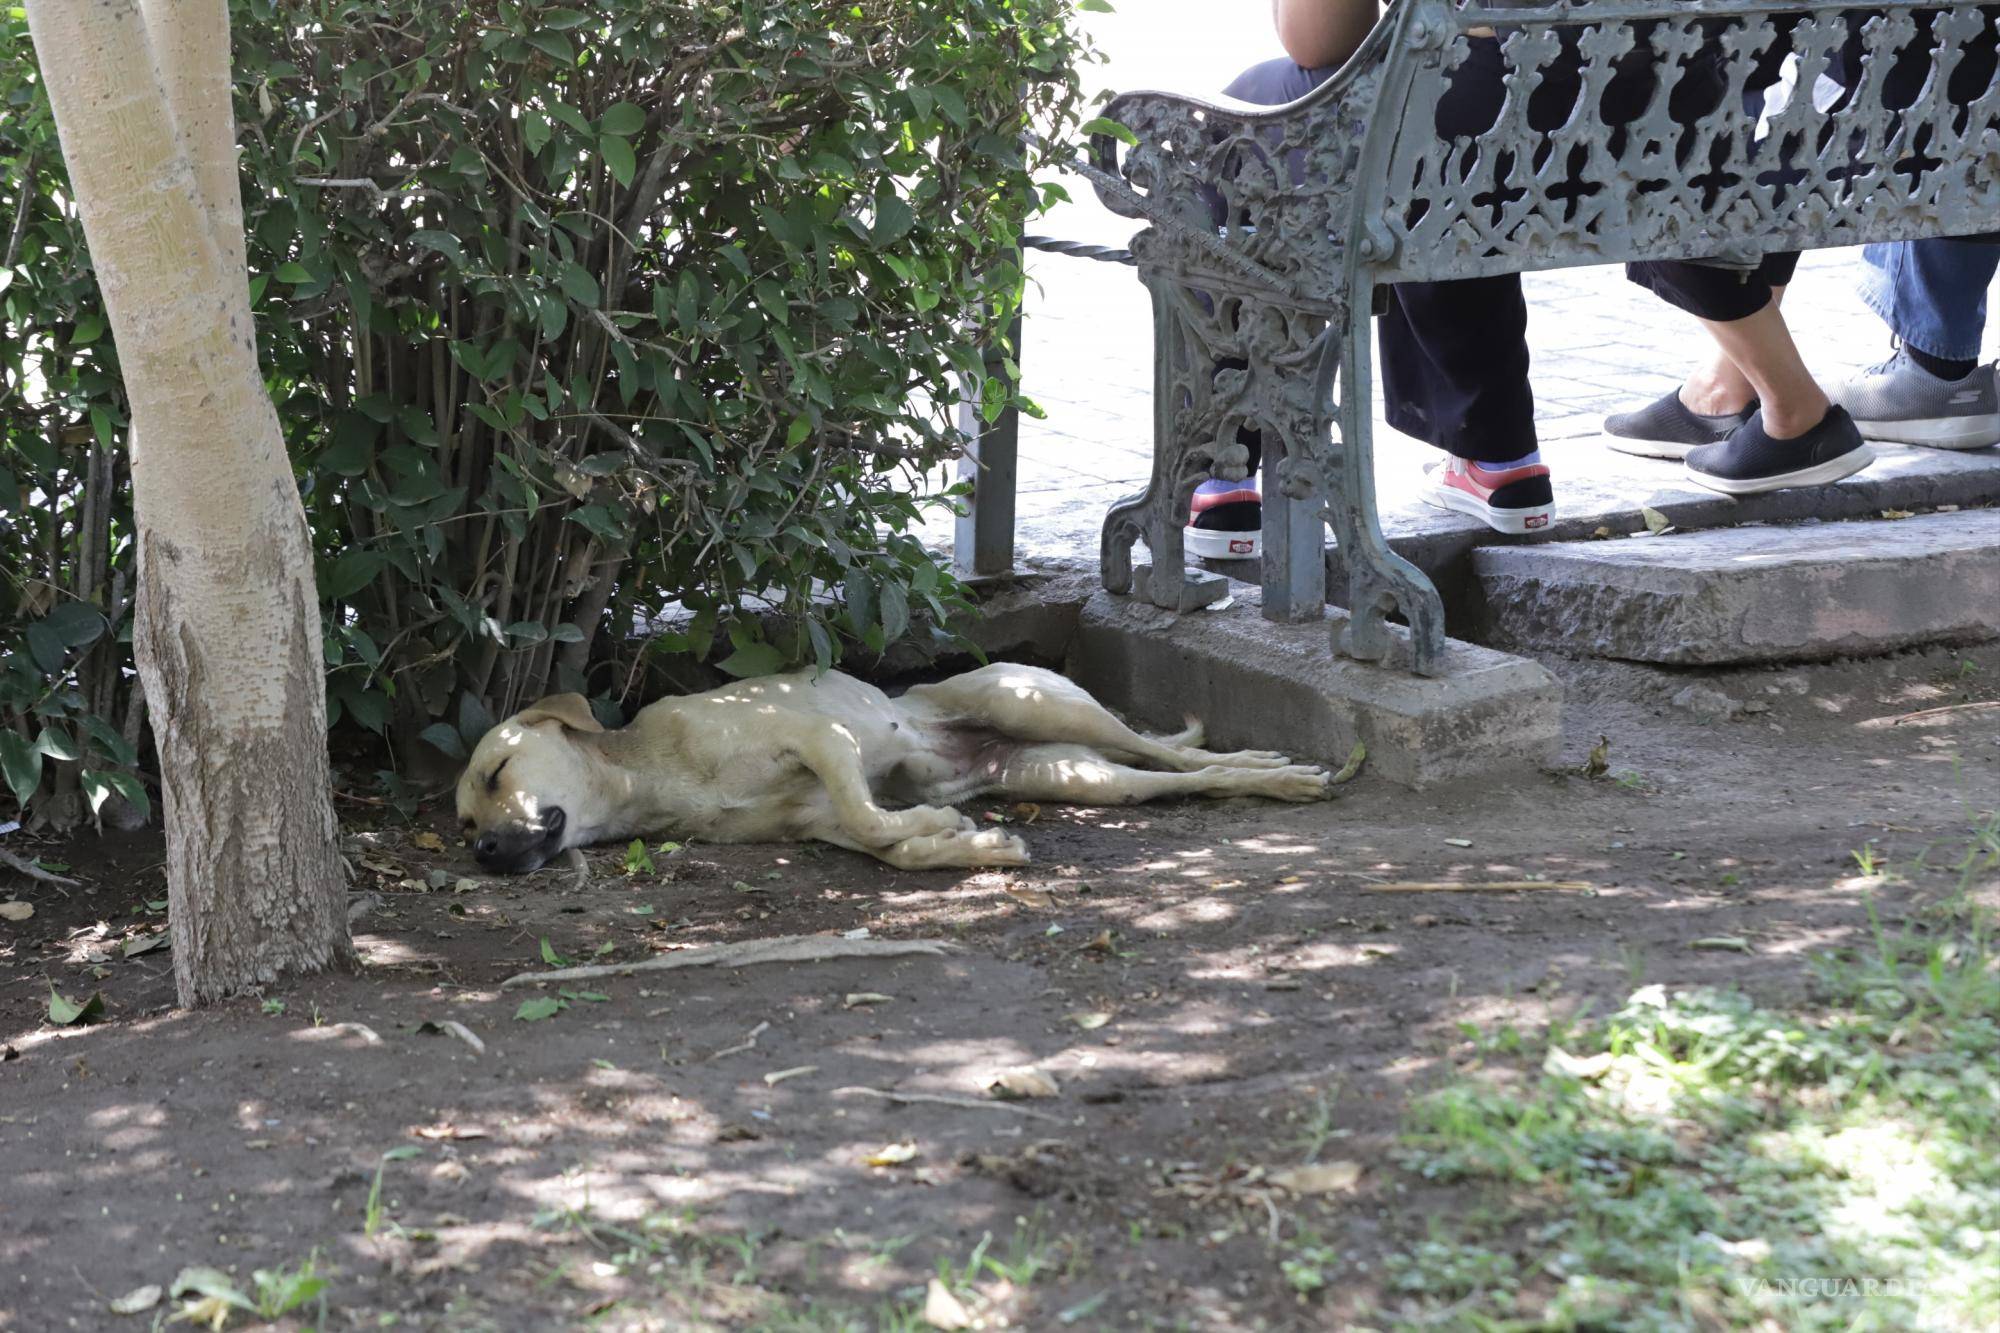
x=1516 y=499
x=1226 y=521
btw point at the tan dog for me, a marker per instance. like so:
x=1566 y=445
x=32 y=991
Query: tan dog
x=825 y=757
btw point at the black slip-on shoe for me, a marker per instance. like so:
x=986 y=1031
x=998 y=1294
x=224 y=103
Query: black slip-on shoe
x=1750 y=462
x=1668 y=428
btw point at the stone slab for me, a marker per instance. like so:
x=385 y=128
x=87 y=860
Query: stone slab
x=1260 y=685
x=1751 y=594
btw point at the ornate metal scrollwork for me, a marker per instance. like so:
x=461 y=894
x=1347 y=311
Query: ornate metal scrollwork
x=1741 y=127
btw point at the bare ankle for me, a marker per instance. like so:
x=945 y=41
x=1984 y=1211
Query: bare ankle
x=1711 y=399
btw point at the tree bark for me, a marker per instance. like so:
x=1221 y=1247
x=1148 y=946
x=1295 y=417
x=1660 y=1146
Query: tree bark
x=227 y=636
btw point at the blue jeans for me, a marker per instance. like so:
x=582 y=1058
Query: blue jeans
x=1932 y=294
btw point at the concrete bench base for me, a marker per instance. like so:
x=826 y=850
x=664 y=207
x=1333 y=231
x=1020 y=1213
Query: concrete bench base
x=1261 y=685
x=1739 y=595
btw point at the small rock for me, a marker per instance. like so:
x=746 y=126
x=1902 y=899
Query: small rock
x=1756 y=706
x=1707 y=705
x=1792 y=682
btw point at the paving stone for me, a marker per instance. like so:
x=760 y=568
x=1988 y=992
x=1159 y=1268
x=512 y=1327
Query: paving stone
x=1260 y=685
x=1754 y=594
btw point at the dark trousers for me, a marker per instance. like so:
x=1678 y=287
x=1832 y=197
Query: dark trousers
x=1455 y=354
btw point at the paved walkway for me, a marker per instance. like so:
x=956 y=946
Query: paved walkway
x=1599 y=343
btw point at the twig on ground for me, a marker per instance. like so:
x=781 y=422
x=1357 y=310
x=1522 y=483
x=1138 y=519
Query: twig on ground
x=33 y=871
x=1484 y=886
x=1920 y=714
x=747 y=1044
x=944 y=1099
x=463 y=1033
x=780 y=949
x=369 y=1036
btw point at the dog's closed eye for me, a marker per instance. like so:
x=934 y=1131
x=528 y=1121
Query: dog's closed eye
x=493 y=778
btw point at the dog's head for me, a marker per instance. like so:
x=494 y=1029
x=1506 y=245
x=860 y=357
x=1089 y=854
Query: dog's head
x=518 y=799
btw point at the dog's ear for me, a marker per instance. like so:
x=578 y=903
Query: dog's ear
x=572 y=710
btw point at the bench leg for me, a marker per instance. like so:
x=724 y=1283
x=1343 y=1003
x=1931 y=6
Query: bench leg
x=1379 y=580
x=1295 y=494
x=1157 y=515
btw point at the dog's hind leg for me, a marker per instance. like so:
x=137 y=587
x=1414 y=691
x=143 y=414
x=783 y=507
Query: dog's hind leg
x=1031 y=704
x=1082 y=776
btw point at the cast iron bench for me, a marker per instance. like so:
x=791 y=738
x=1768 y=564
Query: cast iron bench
x=1328 y=198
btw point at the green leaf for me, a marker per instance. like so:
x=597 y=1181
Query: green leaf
x=756 y=659
x=65 y=1012
x=295 y=273
x=579 y=285
x=351 y=573
x=622 y=118
x=535 y=1010
x=21 y=763
x=88 y=330
x=1117 y=131
x=619 y=158
x=47 y=648
x=445 y=738
x=474 y=721
x=58 y=744
x=443 y=242
x=795 y=434
x=553 y=44
x=893 y=220
x=75 y=623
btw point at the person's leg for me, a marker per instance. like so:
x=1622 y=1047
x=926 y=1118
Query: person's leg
x=1933 y=391
x=1226 y=520
x=1455 y=354
x=1795 y=437
x=1717 y=397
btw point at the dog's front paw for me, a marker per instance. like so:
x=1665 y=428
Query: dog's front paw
x=928 y=821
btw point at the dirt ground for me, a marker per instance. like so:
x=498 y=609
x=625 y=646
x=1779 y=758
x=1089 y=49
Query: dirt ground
x=1218 y=992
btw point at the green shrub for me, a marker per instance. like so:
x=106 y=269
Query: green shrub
x=575 y=315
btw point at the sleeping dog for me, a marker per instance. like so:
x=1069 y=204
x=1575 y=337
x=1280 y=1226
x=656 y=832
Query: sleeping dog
x=828 y=757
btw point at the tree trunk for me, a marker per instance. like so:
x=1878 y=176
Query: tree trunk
x=227 y=637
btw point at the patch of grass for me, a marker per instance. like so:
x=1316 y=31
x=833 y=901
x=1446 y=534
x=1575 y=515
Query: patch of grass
x=1707 y=1162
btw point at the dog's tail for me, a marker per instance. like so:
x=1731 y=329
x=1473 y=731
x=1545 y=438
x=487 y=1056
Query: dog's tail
x=1193 y=736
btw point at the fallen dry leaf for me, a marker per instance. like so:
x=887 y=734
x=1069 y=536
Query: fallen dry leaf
x=16 y=911
x=893 y=1154
x=1040 y=899
x=138 y=1300
x=1897 y=513
x=1021 y=1081
x=427 y=840
x=1656 y=522
x=1027 y=812
x=1089 y=1019
x=1100 y=943
x=1582 y=1067
x=944 y=1310
x=1320 y=1178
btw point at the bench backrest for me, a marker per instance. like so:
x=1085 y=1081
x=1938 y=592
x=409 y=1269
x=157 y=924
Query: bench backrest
x=1707 y=159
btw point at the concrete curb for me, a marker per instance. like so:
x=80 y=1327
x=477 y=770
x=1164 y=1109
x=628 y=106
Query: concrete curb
x=1261 y=685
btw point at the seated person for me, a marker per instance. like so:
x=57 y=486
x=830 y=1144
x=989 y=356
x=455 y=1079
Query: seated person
x=1933 y=391
x=1454 y=354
